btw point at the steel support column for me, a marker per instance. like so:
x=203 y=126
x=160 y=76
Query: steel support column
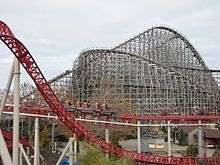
x=200 y=141
x=52 y=136
x=36 y=142
x=16 y=112
x=107 y=140
x=75 y=148
x=25 y=155
x=139 y=137
x=7 y=89
x=168 y=139
x=63 y=153
x=71 y=155
x=6 y=158
x=20 y=157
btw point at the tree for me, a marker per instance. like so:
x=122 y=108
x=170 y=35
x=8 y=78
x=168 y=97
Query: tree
x=163 y=129
x=183 y=138
x=192 y=150
x=45 y=139
x=115 y=138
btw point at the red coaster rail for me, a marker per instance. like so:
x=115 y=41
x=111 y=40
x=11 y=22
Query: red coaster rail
x=124 y=118
x=9 y=136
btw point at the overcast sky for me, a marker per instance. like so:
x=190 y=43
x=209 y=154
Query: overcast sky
x=56 y=31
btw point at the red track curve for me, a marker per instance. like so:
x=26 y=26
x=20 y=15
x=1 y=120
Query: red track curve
x=9 y=136
x=29 y=64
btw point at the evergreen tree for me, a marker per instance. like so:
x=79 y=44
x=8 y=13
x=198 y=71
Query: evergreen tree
x=45 y=139
x=183 y=138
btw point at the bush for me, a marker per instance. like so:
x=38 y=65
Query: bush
x=192 y=150
x=94 y=156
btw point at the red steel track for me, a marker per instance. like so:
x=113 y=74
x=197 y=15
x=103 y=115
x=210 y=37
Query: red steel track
x=9 y=136
x=29 y=64
x=125 y=118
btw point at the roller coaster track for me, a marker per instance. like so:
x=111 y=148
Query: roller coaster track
x=29 y=64
x=9 y=136
x=126 y=118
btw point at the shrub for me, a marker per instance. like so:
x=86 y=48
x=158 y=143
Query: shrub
x=192 y=150
x=94 y=156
